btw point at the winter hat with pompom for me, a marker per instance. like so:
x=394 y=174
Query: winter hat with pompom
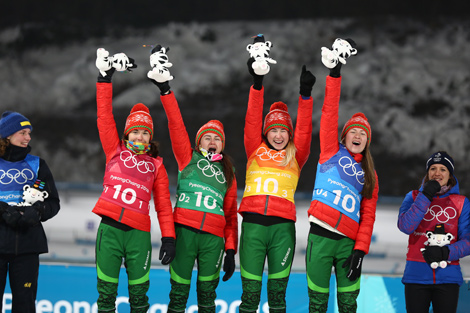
x=278 y=116
x=357 y=120
x=213 y=126
x=139 y=118
x=11 y=122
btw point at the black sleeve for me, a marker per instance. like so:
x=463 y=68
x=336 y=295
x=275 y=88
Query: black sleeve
x=52 y=202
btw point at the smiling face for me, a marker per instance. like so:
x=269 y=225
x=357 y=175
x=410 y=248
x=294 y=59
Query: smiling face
x=356 y=140
x=140 y=135
x=211 y=142
x=21 y=138
x=440 y=173
x=278 y=137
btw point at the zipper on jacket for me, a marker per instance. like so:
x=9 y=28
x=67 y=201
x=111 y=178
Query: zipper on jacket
x=339 y=220
x=203 y=219
x=266 y=205
x=122 y=214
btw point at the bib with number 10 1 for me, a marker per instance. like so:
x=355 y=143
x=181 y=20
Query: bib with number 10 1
x=265 y=175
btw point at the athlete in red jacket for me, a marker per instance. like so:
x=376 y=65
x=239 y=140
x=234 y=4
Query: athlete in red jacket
x=342 y=211
x=276 y=155
x=206 y=205
x=134 y=172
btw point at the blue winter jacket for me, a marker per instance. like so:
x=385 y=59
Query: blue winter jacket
x=410 y=216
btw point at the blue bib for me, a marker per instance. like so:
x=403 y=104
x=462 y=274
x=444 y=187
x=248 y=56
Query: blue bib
x=15 y=175
x=339 y=182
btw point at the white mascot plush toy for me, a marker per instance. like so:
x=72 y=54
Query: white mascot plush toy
x=32 y=194
x=159 y=63
x=341 y=50
x=259 y=51
x=119 y=61
x=438 y=238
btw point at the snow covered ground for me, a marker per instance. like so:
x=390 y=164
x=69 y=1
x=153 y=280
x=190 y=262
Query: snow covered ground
x=72 y=233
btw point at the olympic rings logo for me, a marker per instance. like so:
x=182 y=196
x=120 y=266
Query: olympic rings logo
x=440 y=214
x=266 y=155
x=20 y=177
x=209 y=170
x=130 y=161
x=351 y=169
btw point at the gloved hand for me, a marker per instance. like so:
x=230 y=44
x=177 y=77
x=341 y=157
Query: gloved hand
x=229 y=264
x=164 y=87
x=435 y=254
x=11 y=216
x=167 y=251
x=430 y=188
x=257 y=79
x=307 y=80
x=30 y=217
x=336 y=71
x=354 y=261
x=104 y=63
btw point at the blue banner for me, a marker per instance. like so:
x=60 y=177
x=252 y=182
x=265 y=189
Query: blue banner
x=72 y=289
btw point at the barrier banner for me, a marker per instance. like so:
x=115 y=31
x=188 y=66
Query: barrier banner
x=72 y=289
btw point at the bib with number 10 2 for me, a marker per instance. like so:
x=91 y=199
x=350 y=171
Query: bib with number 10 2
x=339 y=182
x=265 y=175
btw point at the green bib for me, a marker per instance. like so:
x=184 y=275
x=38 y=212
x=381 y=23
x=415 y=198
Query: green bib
x=201 y=186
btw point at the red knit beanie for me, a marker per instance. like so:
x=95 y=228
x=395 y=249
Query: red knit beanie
x=139 y=118
x=213 y=126
x=357 y=120
x=278 y=116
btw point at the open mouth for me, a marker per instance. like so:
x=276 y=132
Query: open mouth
x=212 y=150
x=356 y=143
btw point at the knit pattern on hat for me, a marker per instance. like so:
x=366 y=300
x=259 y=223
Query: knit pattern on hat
x=11 y=122
x=278 y=116
x=357 y=120
x=213 y=126
x=139 y=118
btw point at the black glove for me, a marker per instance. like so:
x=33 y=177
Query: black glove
x=435 y=254
x=430 y=188
x=30 y=217
x=354 y=261
x=107 y=78
x=167 y=251
x=336 y=71
x=229 y=264
x=257 y=79
x=11 y=216
x=307 y=80
x=164 y=87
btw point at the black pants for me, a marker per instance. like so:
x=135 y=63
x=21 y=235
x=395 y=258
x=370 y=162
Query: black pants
x=23 y=272
x=444 y=298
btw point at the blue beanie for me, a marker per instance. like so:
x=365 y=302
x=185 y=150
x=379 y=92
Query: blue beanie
x=441 y=157
x=11 y=122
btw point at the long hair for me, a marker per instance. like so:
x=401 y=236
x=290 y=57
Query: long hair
x=369 y=173
x=291 y=150
x=227 y=166
x=451 y=182
x=4 y=143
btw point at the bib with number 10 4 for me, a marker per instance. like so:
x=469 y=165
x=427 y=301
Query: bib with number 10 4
x=265 y=175
x=201 y=186
x=339 y=182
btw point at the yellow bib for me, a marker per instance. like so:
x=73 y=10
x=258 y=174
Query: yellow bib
x=265 y=175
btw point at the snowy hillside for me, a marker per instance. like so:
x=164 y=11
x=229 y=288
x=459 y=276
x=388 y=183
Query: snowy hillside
x=411 y=79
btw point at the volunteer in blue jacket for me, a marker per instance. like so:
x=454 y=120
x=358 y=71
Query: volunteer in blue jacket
x=436 y=208
x=21 y=232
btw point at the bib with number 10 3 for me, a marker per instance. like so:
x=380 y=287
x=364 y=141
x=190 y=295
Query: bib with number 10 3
x=265 y=175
